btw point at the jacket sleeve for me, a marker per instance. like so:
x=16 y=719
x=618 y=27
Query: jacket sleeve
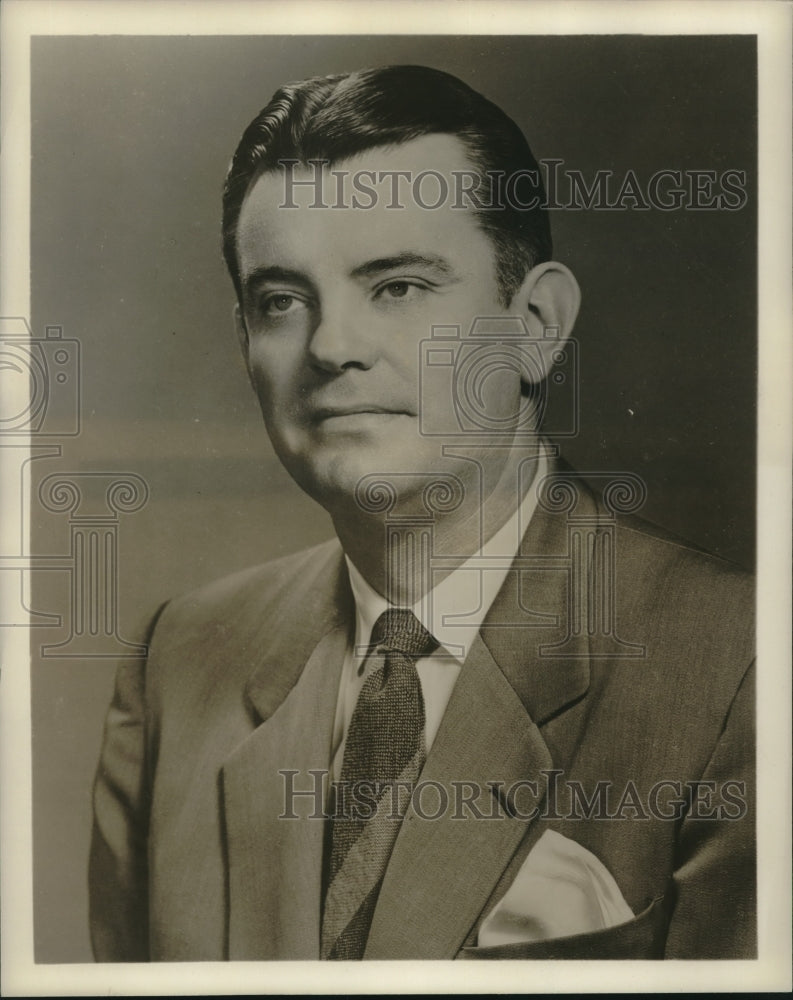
x=117 y=871
x=715 y=913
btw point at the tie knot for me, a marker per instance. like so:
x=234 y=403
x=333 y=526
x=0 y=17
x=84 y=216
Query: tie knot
x=398 y=630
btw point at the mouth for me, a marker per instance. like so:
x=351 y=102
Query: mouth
x=361 y=410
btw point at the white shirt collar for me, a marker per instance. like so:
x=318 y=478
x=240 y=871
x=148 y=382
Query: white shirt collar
x=471 y=585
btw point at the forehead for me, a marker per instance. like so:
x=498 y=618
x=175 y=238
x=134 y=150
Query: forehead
x=384 y=200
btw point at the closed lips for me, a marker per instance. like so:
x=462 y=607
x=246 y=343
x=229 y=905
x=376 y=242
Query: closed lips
x=345 y=411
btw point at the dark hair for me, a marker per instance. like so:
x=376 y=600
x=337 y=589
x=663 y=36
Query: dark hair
x=335 y=117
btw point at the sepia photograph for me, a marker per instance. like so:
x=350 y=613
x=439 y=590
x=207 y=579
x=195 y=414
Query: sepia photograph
x=384 y=502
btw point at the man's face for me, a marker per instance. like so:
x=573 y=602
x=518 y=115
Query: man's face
x=335 y=304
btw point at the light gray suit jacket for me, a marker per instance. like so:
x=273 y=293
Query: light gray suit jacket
x=190 y=860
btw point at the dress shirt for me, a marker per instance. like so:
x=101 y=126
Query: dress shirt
x=469 y=586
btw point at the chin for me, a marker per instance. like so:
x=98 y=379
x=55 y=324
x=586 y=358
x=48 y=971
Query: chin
x=373 y=479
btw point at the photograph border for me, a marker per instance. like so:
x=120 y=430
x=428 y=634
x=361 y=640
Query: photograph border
x=771 y=23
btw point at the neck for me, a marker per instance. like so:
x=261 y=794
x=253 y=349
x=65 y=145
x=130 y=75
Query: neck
x=393 y=551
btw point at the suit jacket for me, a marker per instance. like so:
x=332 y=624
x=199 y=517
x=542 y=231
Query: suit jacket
x=190 y=860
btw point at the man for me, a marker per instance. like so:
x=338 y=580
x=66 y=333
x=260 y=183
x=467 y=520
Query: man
x=495 y=718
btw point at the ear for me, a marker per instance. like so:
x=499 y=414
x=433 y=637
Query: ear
x=242 y=335
x=548 y=301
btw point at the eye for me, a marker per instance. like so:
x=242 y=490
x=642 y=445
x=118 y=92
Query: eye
x=280 y=303
x=399 y=289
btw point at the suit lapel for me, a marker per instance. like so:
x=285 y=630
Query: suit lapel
x=273 y=835
x=547 y=665
x=442 y=872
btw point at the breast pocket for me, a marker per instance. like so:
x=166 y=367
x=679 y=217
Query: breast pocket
x=643 y=938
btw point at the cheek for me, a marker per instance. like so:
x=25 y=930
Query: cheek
x=272 y=377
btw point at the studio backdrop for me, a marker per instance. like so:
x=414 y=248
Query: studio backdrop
x=151 y=473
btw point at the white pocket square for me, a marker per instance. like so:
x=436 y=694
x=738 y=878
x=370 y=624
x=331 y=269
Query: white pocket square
x=561 y=889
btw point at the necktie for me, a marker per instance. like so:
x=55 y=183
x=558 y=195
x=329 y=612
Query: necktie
x=383 y=758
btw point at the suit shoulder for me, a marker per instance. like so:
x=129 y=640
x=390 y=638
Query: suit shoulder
x=208 y=642
x=290 y=578
x=664 y=551
x=651 y=556
x=696 y=605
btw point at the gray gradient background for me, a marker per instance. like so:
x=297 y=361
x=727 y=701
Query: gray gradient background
x=131 y=137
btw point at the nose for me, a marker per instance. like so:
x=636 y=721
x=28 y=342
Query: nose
x=341 y=339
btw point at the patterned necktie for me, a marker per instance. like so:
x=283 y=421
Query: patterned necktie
x=383 y=758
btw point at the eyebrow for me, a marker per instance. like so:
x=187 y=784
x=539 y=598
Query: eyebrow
x=369 y=269
x=259 y=275
x=408 y=258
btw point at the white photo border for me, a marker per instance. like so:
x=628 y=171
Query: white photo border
x=771 y=23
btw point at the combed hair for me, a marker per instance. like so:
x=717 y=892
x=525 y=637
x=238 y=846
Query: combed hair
x=333 y=118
